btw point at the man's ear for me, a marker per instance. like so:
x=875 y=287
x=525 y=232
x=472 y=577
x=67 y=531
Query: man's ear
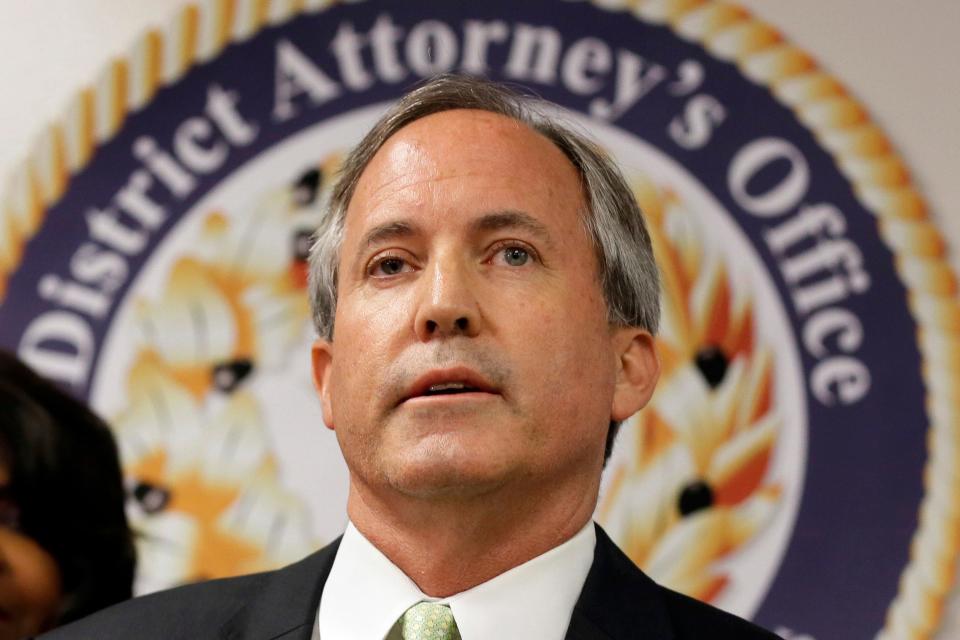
x=322 y=356
x=638 y=369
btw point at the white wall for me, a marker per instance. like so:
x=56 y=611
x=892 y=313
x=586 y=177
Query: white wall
x=901 y=60
x=51 y=48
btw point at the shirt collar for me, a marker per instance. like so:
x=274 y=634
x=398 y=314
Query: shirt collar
x=365 y=594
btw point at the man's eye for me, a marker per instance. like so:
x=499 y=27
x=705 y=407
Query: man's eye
x=388 y=266
x=513 y=253
x=515 y=256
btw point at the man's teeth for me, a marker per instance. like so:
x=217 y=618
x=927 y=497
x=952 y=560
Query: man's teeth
x=445 y=386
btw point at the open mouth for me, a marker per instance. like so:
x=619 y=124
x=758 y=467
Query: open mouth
x=449 y=389
x=456 y=381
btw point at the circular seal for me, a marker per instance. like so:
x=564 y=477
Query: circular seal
x=799 y=451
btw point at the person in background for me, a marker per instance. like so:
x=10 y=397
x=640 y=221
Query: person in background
x=65 y=547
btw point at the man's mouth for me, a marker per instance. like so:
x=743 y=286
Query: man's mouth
x=448 y=389
x=449 y=382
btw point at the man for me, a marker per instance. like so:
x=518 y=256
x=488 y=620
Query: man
x=486 y=297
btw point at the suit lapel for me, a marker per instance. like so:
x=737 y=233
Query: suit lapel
x=618 y=601
x=285 y=605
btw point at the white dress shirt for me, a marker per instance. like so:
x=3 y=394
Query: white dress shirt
x=365 y=594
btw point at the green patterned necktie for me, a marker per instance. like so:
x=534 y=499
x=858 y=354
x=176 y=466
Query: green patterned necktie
x=429 y=621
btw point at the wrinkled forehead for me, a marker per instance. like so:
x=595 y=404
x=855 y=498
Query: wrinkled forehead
x=457 y=148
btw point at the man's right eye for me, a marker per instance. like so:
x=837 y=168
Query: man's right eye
x=388 y=266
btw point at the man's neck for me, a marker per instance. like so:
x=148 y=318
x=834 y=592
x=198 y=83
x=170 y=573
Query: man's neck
x=450 y=545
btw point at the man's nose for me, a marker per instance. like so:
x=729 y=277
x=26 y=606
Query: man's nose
x=448 y=303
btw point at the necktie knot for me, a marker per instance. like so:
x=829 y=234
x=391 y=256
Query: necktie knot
x=429 y=621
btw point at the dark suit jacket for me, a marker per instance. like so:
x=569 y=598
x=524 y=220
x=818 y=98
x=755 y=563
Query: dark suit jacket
x=618 y=602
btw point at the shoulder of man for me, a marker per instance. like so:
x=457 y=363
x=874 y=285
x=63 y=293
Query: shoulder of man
x=693 y=619
x=195 y=610
x=620 y=601
x=272 y=603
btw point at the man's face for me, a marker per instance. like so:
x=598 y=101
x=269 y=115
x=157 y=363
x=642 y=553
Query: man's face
x=471 y=348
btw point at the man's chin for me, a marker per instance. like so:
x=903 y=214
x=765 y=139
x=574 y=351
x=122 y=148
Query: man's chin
x=446 y=479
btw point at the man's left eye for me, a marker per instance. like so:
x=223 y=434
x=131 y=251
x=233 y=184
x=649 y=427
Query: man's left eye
x=516 y=256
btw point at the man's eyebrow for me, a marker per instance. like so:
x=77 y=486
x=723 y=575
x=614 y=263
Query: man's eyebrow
x=511 y=219
x=493 y=221
x=388 y=231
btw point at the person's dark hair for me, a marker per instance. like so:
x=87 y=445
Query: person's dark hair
x=65 y=478
x=628 y=273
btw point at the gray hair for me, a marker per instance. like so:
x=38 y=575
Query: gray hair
x=628 y=274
